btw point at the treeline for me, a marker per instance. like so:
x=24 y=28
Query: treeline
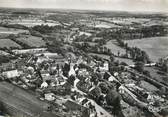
x=86 y=47
x=6 y=59
x=56 y=46
x=163 y=65
x=45 y=29
x=135 y=53
x=137 y=33
x=84 y=38
x=17 y=26
x=13 y=38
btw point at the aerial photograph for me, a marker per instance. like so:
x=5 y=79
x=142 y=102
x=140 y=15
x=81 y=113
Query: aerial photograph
x=83 y=58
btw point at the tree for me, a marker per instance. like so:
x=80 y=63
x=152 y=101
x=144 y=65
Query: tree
x=104 y=87
x=112 y=58
x=56 y=47
x=66 y=69
x=71 y=80
x=113 y=98
x=118 y=53
x=4 y=59
x=165 y=66
x=147 y=73
x=139 y=66
x=67 y=87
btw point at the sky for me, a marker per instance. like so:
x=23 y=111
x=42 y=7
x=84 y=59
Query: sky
x=112 y=5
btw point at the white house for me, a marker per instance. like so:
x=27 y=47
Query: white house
x=11 y=74
x=105 y=67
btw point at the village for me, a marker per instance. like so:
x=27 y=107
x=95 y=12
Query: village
x=80 y=68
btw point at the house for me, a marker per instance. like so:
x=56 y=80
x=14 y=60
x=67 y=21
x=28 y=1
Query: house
x=42 y=59
x=11 y=74
x=105 y=67
x=30 y=51
x=49 y=56
x=45 y=75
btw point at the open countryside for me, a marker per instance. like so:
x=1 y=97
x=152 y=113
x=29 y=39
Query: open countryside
x=4 y=30
x=156 y=47
x=32 y=41
x=7 y=43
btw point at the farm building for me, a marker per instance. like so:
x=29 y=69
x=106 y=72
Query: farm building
x=30 y=51
x=11 y=74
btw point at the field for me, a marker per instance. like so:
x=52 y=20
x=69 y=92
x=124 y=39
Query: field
x=128 y=61
x=32 y=41
x=4 y=30
x=106 y=25
x=31 y=22
x=156 y=47
x=159 y=77
x=8 y=43
x=114 y=48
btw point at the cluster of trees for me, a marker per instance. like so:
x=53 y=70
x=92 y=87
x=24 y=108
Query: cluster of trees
x=43 y=29
x=152 y=31
x=115 y=65
x=135 y=53
x=24 y=45
x=100 y=42
x=8 y=48
x=16 y=26
x=139 y=66
x=4 y=59
x=56 y=46
x=35 y=33
x=106 y=34
x=163 y=64
x=84 y=38
x=137 y=33
x=86 y=47
x=138 y=54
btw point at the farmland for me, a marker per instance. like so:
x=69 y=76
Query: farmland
x=159 y=77
x=31 y=23
x=156 y=47
x=114 y=48
x=106 y=25
x=7 y=43
x=32 y=41
x=4 y=30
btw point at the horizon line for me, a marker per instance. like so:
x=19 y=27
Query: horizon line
x=98 y=10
